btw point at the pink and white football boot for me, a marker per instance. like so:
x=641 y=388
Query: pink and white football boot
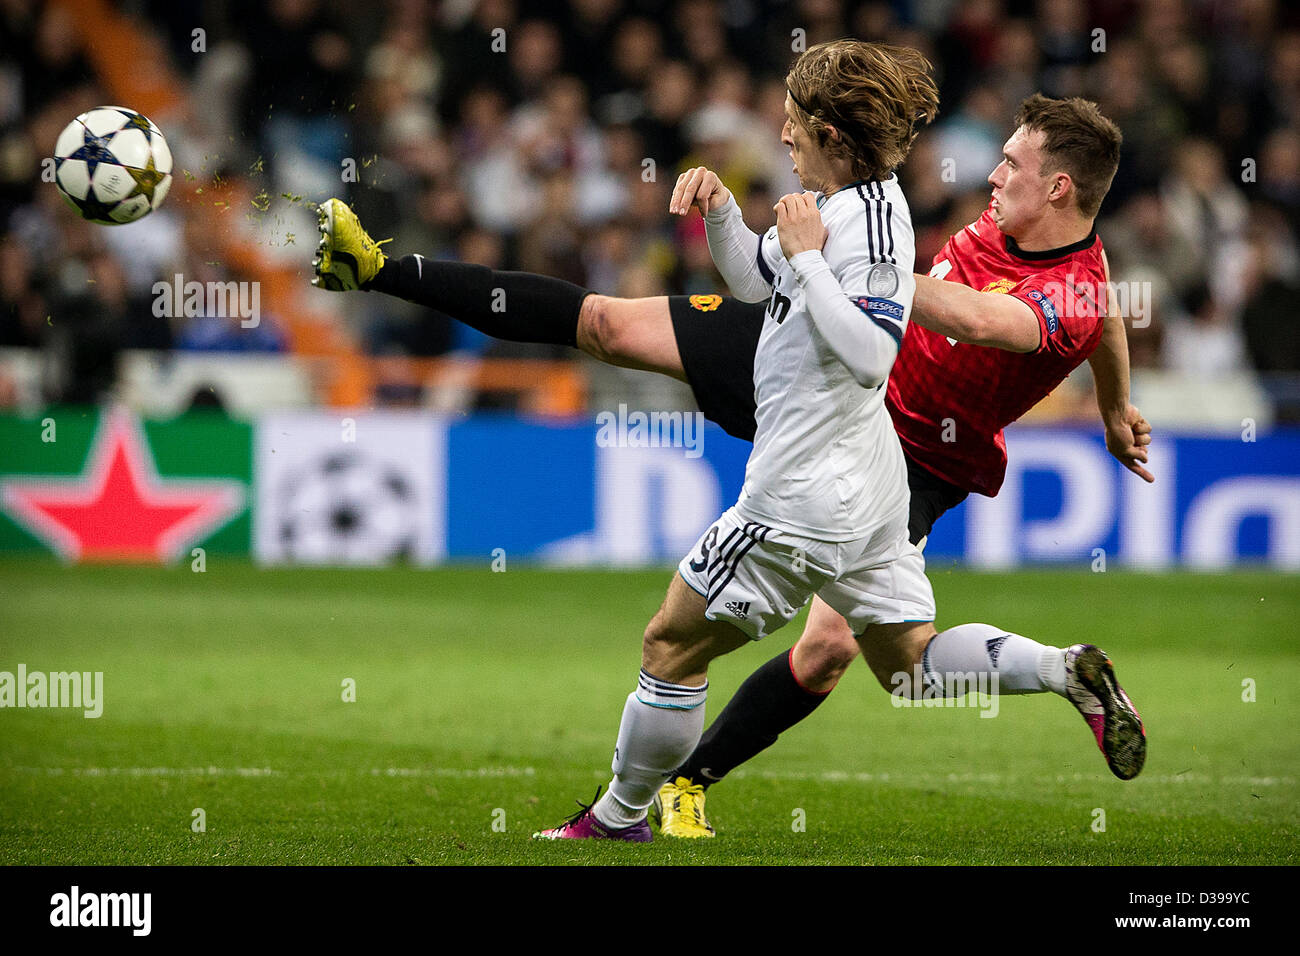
x=1091 y=686
x=583 y=825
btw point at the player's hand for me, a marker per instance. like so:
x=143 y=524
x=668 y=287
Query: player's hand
x=1127 y=439
x=799 y=224
x=698 y=187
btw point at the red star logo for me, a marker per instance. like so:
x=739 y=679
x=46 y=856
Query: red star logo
x=118 y=509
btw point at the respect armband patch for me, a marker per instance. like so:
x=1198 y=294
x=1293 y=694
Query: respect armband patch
x=1047 y=307
x=883 y=308
x=886 y=314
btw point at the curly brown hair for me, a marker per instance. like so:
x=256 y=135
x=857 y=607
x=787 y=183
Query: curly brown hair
x=873 y=95
x=1078 y=140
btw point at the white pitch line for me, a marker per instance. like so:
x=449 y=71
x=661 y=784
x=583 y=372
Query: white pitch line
x=822 y=776
x=150 y=771
x=840 y=776
x=449 y=772
x=269 y=772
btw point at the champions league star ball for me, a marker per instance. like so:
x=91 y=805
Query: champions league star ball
x=112 y=165
x=347 y=509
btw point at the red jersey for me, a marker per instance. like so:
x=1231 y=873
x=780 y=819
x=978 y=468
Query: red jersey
x=949 y=401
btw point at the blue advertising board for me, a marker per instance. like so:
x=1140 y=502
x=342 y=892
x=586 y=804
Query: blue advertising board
x=563 y=495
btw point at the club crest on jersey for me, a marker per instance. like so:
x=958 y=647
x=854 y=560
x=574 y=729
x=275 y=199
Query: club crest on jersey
x=1000 y=285
x=705 y=303
x=1047 y=307
x=882 y=280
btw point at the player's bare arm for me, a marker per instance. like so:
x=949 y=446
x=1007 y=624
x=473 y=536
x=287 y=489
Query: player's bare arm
x=1127 y=432
x=976 y=318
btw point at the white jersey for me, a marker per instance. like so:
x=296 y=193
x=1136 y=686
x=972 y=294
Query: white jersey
x=826 y=461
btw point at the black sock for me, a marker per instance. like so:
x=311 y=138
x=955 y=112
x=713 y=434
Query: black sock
x=770 y=702
x=516 y=306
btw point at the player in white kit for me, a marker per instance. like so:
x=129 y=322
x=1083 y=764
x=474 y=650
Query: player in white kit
x=825 y=496
x=824 y=506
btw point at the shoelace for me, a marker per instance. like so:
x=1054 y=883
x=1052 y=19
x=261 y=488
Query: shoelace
x=365 y=236
x=692 y=793
x=582 y=809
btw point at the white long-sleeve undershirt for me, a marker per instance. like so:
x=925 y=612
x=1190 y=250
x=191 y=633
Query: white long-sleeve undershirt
x=735 y=252
x=866 y=349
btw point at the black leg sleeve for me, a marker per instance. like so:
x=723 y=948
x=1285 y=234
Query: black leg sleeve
x=516 y=306
x=767 y=704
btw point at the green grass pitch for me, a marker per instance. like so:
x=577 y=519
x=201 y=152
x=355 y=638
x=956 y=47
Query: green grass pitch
x=486 y=703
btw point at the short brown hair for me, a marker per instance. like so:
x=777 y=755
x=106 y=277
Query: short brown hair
x=875 y=95
x=1078 y=140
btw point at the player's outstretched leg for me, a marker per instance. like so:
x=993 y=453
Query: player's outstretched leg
x=912 y=660
x=516 y=306
x=1091 y=686
x=527 y=307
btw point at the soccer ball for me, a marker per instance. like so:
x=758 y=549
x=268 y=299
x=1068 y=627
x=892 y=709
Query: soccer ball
x=112 y=165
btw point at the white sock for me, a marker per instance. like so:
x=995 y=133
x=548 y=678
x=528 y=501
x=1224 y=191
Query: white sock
x=1018 y=664
x=661 y=725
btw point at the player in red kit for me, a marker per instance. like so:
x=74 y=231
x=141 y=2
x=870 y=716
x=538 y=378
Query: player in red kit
x=938 y=380
x=1028 y=278
x=1013 y=303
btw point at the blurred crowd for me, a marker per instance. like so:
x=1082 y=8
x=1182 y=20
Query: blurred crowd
x=546 y=136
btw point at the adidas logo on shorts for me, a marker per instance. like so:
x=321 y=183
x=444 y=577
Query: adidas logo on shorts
x=738 y=608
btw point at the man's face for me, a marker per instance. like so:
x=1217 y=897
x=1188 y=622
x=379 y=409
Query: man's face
x=1020 y=193
x=809 y=162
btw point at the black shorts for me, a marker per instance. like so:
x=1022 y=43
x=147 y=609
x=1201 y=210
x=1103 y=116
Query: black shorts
x=717 y=337
x=931 y=497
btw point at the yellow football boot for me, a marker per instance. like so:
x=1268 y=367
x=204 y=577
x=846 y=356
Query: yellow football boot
x=346 y=257
x=679 y=806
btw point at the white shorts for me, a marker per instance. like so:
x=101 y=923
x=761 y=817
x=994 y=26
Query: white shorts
x=758 y=578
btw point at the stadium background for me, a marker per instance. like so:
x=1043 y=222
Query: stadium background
x=545 y=137
x=353 y=429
